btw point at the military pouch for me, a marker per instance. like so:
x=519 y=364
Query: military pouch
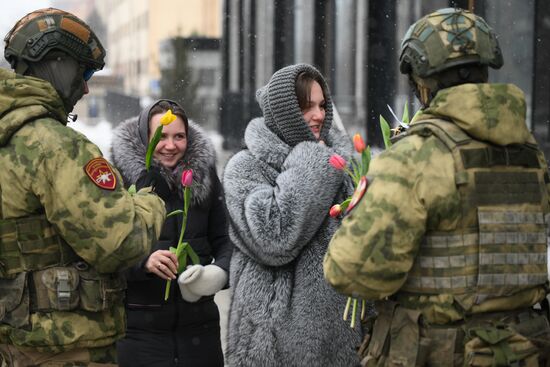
x=494 y=346
x=14 y=301
x=375 y=348
x=404 y=337
x=395 y=337
x=55 y=289
x=99 y=292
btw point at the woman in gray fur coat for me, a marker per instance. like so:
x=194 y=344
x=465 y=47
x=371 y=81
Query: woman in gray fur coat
x=278 y=193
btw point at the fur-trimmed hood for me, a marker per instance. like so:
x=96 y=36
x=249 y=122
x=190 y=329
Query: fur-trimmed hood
x=128 y=154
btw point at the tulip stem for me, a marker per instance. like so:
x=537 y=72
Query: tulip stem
x=346 y=310
x=353 y=313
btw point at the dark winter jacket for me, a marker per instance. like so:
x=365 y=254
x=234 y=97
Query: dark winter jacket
x=278 y=193
x=206 y=232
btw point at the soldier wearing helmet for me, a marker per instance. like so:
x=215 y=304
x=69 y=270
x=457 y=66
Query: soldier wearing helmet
x=450 y=238
x=67 y=225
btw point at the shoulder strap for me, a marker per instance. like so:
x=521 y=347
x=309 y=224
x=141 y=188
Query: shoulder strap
x=449 y=133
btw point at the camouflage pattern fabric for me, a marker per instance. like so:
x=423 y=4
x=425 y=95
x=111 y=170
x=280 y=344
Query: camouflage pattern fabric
x=413 y=193
x=42 y=172
x=447 y=38
x=79 y=357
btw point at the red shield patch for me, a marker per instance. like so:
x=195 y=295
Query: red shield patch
x=101 y=173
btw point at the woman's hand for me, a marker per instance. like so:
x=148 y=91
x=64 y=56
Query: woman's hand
x=163 y=264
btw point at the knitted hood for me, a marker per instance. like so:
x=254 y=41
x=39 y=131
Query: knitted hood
x=128 y=154
x=281 y=110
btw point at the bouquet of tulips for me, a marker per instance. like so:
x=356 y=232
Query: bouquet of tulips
x=357 y=170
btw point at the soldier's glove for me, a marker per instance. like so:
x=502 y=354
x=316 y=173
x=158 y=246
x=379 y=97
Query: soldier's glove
x=154 y=179
x=198 y=281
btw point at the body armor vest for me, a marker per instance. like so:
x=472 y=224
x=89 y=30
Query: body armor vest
x=40 y=272
x=499 y=246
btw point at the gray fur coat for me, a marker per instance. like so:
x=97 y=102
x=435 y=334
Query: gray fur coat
x=283 y=313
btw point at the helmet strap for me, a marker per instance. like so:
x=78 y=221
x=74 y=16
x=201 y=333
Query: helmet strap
x=425 y=88
x=21 y=67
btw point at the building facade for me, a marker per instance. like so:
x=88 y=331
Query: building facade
x=136 y=28
x=356 y=46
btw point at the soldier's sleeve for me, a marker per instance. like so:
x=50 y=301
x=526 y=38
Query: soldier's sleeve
x=107 y=227
x=373 y=250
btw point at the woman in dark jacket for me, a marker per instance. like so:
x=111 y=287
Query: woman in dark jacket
x=184 y=330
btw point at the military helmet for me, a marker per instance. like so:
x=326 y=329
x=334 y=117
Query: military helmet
x=44 y=30
x=447 y=38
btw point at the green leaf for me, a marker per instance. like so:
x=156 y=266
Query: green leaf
x=182 y=262
x=151 y=146
x=405 y=118
x=356 y=170
x=193 y=255
x=132 y=189
x=416 y=113
x=180 y=249
x=386 y=131
x=365 y=161
x=179 y=211
x=345 y=204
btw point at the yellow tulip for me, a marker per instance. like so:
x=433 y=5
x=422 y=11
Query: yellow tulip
x=167 y=118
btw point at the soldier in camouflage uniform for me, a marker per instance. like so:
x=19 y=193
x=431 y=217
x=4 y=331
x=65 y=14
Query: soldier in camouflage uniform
x=450 y=238
x=67 y=226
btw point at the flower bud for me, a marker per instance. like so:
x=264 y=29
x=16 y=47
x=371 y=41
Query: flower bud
x=337 y=161
x=187 y=178
x=358 y=143
x=167 y=118
x=335 y=210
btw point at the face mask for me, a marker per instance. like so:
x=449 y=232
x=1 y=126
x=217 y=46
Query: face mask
x=65 y=74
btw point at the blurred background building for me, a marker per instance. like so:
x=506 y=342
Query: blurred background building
x=356 y=45
x=226 y=49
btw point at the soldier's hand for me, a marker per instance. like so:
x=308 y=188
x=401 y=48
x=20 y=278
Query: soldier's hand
x=153 y=178
x=163 y=264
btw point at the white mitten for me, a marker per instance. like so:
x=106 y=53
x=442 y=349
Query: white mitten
x=198 y=281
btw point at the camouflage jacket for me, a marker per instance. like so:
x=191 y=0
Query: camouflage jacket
x=43 y=174
x=414 y=192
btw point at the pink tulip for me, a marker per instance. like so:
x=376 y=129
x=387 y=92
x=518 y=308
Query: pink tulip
x=187 y=178
x=337 y=161
x=358 y=143
x=335 y=210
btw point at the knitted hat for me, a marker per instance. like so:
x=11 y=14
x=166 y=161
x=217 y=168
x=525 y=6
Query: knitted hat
x=282 y=113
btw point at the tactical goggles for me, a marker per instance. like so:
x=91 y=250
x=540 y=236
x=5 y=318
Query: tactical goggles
x=88 y=73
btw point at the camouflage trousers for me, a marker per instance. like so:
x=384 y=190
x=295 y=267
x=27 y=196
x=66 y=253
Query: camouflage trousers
x=398 y=337
x=11 y=356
